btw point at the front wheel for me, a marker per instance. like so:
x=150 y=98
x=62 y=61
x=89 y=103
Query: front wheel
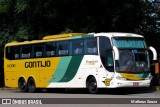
x=31 y=85
x=92 y=85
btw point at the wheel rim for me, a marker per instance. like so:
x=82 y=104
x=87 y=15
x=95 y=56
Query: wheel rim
x=93 y=85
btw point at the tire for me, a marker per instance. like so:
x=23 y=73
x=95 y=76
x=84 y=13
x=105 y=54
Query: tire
x=31 y=85
x=22 y=85
x=92 y=85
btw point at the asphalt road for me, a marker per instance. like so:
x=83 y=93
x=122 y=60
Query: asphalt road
x=122 y=97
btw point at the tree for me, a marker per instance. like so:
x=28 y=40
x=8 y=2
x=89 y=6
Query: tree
x=33 y=19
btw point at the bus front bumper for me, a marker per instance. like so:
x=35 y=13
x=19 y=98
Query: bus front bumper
x=115 y=83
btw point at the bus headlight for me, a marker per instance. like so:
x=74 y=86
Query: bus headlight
x=121 y=78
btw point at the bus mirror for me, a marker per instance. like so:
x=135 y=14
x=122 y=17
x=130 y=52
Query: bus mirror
x=154 y=52
x=116 y=53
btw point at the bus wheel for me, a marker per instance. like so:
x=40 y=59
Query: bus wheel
x=31 y=85
x=92 y=85
x=22 y=85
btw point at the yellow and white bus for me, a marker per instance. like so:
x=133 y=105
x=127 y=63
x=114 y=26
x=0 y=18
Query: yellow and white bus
x=78 y=60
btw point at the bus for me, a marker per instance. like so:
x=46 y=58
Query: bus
x=79 y=60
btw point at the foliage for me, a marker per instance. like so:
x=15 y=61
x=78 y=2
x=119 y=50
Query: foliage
x=33 y=19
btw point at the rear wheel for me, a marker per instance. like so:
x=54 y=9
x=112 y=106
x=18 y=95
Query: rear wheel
x=22 y=85
x=31 y=85
x=92 y=85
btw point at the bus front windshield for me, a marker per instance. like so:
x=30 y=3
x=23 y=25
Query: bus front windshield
x=133 y=55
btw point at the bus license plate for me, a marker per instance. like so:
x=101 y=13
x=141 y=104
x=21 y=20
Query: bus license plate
x=135 y=83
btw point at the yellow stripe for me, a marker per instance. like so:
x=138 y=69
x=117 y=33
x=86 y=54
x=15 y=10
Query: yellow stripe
x=47 y=74
x=68 y=35
x=130 y=76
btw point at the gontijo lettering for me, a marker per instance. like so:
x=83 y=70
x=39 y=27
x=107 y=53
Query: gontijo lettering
x=38 y=64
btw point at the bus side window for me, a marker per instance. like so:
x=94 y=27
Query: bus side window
x=50 y=49
x=26 y=52
x=91 y=46
x=77 y=47
x=38 y=50
x=109 y=59
x=17 y=52
x=12 y=52
x=63 y=48
x=106 y=54
x=9 y=54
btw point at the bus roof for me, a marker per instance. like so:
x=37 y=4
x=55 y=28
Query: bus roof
x=73 y=35
x=63 y=35
x=117 y=34
x=49 y=38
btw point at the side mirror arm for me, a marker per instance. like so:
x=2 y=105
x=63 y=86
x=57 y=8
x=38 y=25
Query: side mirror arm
x=154 y=52
x=116 y=53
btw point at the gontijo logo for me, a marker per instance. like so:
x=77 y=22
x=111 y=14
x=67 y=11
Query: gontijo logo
x=37 y=64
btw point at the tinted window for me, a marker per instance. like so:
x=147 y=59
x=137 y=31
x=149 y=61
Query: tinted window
x=13 y=52
x=38 y=50
x=106 y=53
x=77 y=47
x=63 y=48
x=50 y=49
x=91 y=46
x=26 y=51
